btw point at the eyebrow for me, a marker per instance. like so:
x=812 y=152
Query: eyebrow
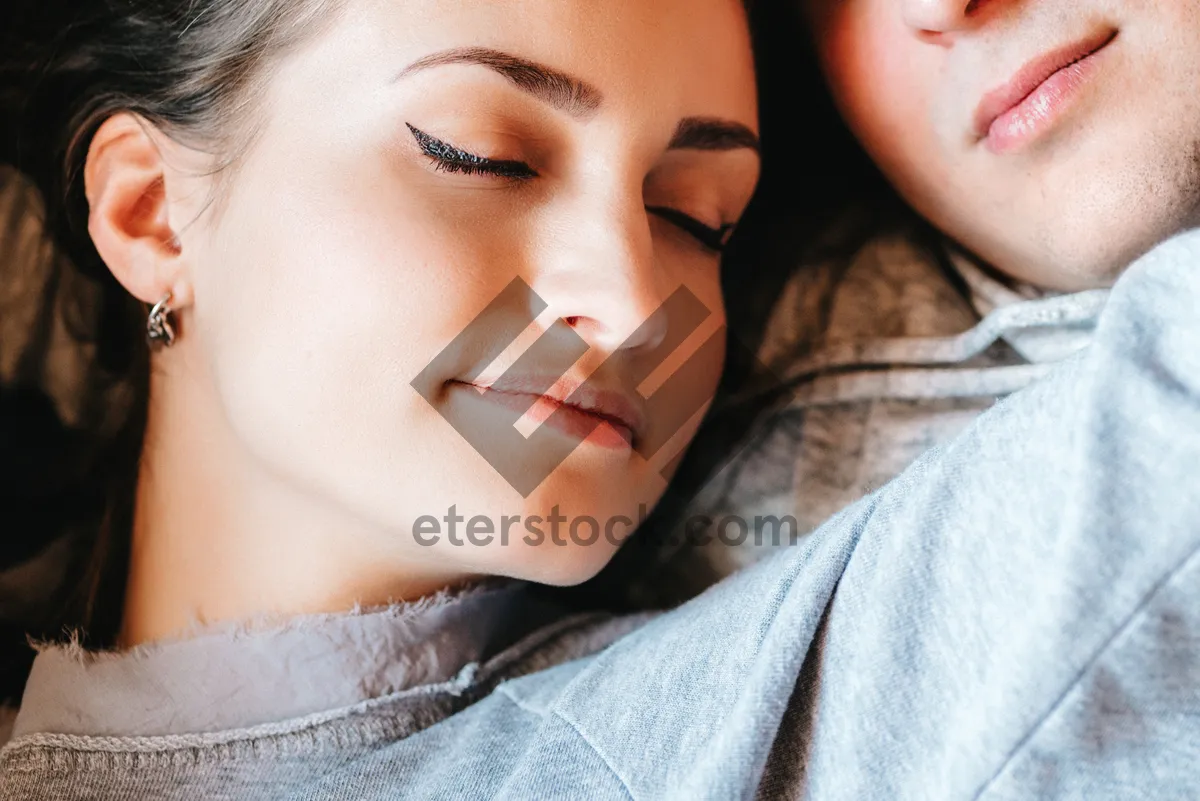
x=580 y=99
x=708 y=133
x=564 y=92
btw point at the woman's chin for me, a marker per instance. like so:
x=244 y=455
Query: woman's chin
x=555 y=565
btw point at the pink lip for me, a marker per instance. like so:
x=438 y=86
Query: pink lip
x=1034 y=97
x=571 y=407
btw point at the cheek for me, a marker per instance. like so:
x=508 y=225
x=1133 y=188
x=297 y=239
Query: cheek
x=681 y=389
x=882 y=80
x=316 y=317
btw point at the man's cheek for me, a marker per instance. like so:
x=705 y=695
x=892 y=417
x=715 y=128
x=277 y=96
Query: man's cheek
x=867 y=79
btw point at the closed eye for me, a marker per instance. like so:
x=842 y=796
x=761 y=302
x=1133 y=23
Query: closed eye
x=714 y=239
x=448 y=158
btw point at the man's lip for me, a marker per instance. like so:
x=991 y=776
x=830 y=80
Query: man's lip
x=613 y=405
x=1025 y=82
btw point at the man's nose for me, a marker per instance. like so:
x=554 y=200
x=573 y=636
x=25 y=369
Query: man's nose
x=939 y=16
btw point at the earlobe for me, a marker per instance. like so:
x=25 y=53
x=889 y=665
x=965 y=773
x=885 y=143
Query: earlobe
x=129 y=220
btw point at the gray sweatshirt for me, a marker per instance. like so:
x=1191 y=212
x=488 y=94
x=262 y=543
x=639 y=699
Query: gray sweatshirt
x=1016 y=616
x=888 y=353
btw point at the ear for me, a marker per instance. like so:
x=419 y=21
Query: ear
x=129 y=221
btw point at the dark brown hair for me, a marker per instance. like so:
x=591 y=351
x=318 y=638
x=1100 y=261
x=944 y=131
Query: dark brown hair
x=192 y=70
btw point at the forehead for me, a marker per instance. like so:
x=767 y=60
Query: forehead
x=689 y=57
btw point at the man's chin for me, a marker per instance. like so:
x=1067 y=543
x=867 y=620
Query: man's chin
x=1054 y=253
x=1097 y=262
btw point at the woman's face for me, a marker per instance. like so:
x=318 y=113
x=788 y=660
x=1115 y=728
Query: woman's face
x=363 y=232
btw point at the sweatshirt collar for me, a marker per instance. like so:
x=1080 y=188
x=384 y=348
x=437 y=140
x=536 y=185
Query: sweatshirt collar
x=1041 y=325
x=229 y=676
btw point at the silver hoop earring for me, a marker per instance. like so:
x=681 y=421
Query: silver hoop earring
x=159 y=331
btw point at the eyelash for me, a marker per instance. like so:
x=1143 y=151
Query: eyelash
x=451 y=159
x=711 y=238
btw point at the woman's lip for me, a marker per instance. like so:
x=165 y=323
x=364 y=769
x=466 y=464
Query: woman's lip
x=1020 y=109
x=581 y=418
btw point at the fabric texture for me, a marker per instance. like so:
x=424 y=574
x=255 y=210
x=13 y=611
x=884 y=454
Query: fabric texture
x=1016 y=616
x=240 y=675
x=888 y=352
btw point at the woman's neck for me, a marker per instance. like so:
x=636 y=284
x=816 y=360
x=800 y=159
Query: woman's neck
x=217 y=537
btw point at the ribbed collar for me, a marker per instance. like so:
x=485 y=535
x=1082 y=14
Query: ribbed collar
x=234 y=676
x=1041 y=325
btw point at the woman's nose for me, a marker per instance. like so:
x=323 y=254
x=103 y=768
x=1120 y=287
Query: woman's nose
x=599 y=274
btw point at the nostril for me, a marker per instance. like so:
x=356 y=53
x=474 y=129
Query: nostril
x=572 y=321
x=935 y=21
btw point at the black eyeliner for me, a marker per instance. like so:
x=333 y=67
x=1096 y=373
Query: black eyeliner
x=712 y=238
x=453 y=159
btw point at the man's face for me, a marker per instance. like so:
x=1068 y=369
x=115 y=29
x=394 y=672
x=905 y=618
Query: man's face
x=1056 y=139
